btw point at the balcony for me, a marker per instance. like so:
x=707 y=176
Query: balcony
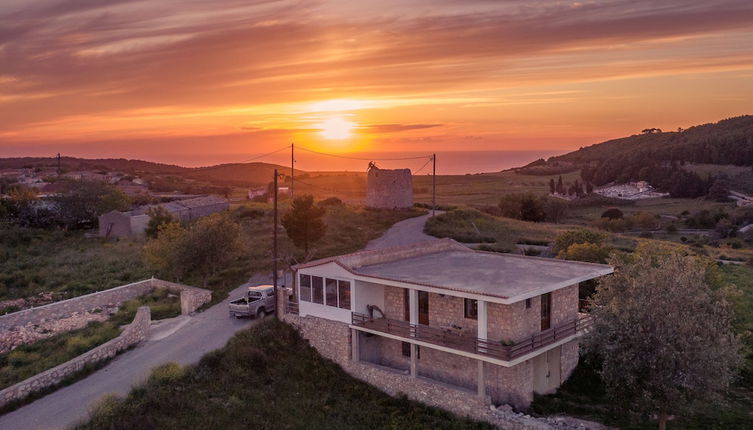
x=489 y=348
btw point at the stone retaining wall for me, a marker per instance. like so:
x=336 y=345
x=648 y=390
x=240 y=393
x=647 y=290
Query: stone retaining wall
x=191 y=298
x=131 y=335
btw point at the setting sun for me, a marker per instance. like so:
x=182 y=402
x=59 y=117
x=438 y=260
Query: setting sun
x=336 y=128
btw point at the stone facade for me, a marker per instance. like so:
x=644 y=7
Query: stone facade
x=131 y=335
x=330 y=338
x=191 y=298
x=568 y=359
x=389 y=189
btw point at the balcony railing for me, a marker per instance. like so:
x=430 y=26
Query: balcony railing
x=490 y=348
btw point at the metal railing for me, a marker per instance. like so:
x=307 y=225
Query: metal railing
x=291 y=308
x=450 y=339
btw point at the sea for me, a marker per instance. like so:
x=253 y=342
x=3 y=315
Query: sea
x=420 y=163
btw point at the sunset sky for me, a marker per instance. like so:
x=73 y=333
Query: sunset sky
x=197 y=81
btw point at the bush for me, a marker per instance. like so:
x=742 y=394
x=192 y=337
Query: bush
x=523 y=206
x=588 y=252
x=571 y=237
x=671 y=228
x=616 y=225
x=612 y=213
x=331 y=201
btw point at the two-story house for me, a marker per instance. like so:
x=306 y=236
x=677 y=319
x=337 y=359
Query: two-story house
x=502 y=325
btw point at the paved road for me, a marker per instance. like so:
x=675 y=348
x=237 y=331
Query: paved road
x=182 y=340
x=402 y=233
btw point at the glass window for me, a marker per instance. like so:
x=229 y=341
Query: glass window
x=528 y=303
x=331 y=292
x=305 y=287
x=317 y=289
x=470 y=309
x=344 y=290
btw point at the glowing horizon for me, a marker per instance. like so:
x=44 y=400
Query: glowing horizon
x=139 y=79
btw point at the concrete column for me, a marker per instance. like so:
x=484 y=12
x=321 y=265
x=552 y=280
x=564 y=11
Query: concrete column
x=481 y=380
x=355 y=345
x=413 y=360
x=413 y=305
x=483 y=327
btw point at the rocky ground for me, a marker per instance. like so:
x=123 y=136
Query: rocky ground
x=21 y=335
x=15 y=305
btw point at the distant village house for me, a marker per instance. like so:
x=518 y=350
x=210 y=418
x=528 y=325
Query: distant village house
x=134 y=222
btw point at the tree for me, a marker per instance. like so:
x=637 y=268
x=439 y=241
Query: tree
x=560 y=186
x=84 y=201
x=719 y=190
x=555 y=209
x=612 y=213
x=158 y=216
x=552 y=186
x=212 y=244
x=304 y=223
x=522 y=206
x=167 y=253
x=664 y=336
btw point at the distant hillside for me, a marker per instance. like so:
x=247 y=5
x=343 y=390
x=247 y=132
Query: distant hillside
x=729 y=141
x=236 y=173
x=247 y=173
x=664 y=158
x=108 y=164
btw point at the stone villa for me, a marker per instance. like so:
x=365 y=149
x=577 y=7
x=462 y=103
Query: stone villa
x=498 y=326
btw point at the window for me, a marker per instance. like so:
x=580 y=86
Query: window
x=331 y=292
x=317 y=289
x=305 y=286
x=344 y=294
x=470 y=309
x=528 y=303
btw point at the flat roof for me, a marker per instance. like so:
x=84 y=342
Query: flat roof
x=505 y=276
x=446 y=264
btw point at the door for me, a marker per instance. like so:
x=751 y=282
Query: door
x=546 y=371
x=546 y=311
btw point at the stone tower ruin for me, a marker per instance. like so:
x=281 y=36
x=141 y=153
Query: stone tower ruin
x=389 y=188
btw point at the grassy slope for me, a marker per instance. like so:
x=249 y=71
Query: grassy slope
x=28 y=360
x=33 y=261
x=267 y=377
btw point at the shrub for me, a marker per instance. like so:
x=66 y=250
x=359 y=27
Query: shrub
x=589 y=252
x=671 y=228
x=612 y=213
x=571 y=237
x=616 y=225
x=331 y=201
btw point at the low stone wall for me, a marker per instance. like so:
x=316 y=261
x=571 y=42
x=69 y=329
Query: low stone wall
x=191 y=298
x=131 y=335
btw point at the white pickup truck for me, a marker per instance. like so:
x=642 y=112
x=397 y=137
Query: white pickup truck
x=258 y=302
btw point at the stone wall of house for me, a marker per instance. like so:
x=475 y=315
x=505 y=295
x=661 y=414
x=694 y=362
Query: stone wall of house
x=449 y=312
x=513 y=321
x=394 y=303
x=568 y=359
x=564 y=304
x=510 y=385
x=191 y=299
x=131 y=335
x=330 y=338
x=389 y=188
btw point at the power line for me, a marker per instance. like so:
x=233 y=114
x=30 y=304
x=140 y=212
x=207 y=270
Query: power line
x=424 y=166
x=366 y=159
x=265 y=155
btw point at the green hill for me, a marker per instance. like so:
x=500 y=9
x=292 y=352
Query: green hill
x=666 y=159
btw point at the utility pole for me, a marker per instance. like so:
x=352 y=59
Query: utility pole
x=292 y=170
x=434 y=184
x=274 y=247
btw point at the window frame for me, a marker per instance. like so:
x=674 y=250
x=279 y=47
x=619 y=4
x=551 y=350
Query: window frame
x=472 y=305
x=319 y=290
x=301 y=296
